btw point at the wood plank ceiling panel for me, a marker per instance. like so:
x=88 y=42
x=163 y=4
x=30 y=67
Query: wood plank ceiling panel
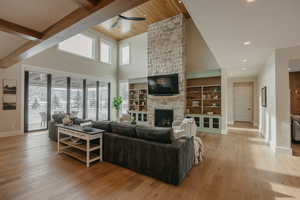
x=153 y=10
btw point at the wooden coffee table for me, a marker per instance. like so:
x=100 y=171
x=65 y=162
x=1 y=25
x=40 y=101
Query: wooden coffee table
x=82 y=149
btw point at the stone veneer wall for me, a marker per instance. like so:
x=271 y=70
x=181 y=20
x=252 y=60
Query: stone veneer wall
x=167 y=55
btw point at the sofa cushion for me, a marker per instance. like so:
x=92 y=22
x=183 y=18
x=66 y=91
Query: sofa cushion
x=104 y=125
x=162 y=135
x=123 y=129
x=58 y=118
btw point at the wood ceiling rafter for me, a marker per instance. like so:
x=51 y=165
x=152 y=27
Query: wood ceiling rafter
x=74 y=23
x=88 y=3
x=15 y=29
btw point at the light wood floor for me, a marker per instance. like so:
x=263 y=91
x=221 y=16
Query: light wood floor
x=238 y=166
x=248 y=125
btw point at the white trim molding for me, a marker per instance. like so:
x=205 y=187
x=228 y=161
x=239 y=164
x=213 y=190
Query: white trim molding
x=230 y=123
x=224 y=131
x=279 y=150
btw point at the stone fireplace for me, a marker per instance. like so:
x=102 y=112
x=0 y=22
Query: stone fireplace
x=163 y=117
x=166 y=55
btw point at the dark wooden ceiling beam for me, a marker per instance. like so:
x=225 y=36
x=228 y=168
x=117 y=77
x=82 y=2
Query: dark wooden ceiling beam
x=12 y=28
x=88 y=3
x=74 y=23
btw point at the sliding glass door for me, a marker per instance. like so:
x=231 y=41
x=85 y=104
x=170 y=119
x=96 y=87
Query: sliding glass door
x=91 y=100
x=59 y=95
x=76 y=98
x=37 y=101
x=103 y=101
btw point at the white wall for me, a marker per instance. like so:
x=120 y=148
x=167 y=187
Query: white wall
x=199 y=57
x=224 y=101
x=275 y=118
x=230 y=93
x=283 y=57
x=10 y=120
x=54 y=60
x=138 y=58
x=267 y=115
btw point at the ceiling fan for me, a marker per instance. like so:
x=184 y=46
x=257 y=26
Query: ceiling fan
x=120 y=17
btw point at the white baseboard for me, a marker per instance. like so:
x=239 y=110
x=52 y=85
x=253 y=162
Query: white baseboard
x=11 y=133
x=224 y=131
x=283 y=151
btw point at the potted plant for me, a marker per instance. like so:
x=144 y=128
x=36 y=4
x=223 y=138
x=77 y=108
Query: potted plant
x=117 y=103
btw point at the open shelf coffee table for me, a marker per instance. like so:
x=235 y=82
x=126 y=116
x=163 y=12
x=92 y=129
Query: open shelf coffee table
x=82 y=149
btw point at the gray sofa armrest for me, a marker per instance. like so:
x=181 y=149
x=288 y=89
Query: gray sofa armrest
x=52 y=130
x=186 y=156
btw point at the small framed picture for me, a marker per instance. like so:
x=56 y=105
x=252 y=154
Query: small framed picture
x=9 y=102
x=264 y=97
x=9 y=86
x=9 y=94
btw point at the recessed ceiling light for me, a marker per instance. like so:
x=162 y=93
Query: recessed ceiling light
x=245 y=60
x=247 y=43
x=244 y=68
x=250 y=1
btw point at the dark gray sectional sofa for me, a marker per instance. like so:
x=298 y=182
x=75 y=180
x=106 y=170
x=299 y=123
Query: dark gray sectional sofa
x=147 y=150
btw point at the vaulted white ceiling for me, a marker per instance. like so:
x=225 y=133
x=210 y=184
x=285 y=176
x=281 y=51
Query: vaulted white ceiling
x=34 y=14
x=225 y=25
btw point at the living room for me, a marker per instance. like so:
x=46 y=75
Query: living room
x=145 y=99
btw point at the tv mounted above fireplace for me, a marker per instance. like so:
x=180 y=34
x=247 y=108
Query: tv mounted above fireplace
x=163 y=85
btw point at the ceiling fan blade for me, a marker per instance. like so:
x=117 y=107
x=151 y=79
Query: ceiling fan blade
x=116 y=23
x=133 y=18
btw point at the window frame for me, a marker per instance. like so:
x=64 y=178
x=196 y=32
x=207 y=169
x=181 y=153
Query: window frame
x=94 y=46
x=121 y=54
x=110 y=51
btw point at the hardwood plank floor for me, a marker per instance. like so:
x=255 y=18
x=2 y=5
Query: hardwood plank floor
x=296 y=148
x=237 y=124
x=237 y=166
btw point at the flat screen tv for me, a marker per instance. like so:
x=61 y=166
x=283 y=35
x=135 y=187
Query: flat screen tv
x=163 y=85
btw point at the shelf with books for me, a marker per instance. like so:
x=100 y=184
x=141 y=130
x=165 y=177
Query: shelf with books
x=138 y=95
x=203 y=96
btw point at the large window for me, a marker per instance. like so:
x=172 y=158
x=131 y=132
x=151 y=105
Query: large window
x=76 y=97
x=91 y=102
x=103 y=101
x=123 y=91
x=37 y=101
x=125 y=55
x=105 y=52
x=80 y=44
x=91 y=99
x=59 y=94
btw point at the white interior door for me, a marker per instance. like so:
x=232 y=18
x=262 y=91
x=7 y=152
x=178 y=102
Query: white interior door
x=243 y=102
